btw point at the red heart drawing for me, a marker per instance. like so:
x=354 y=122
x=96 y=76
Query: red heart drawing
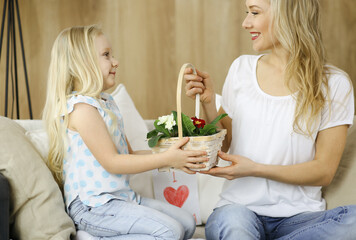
x=176 y=197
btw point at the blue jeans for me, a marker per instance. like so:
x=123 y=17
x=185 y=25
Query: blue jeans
x=117 y=219
x=235 y=221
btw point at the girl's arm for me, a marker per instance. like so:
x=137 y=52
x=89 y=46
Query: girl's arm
x=320 y=171
x=141 y=152
x=86 y=120
x=202 y=84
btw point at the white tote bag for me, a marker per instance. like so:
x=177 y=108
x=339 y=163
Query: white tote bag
x=178 y=188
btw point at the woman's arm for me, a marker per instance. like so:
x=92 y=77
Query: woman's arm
x=225 y=123
x=202 y=84
x=87 y=121
x=320 y=171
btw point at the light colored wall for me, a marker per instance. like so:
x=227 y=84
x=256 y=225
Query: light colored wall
x=153 y=38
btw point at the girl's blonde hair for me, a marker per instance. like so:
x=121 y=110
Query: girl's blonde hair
x=73 y=67
x=296 y=25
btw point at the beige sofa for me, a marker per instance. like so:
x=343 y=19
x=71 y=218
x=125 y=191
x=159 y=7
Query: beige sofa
x=37 y=209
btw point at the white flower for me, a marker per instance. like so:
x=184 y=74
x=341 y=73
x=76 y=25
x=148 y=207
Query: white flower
x=168 y=120
x=162 y=120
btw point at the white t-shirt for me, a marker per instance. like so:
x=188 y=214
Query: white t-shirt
x=262 y=130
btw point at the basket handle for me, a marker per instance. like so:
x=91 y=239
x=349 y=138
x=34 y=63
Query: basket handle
x=179 y=99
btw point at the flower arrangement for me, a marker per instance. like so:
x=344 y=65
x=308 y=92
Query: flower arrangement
x=166 y=127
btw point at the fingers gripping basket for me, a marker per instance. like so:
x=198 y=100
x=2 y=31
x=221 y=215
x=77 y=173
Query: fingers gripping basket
x=211 y=144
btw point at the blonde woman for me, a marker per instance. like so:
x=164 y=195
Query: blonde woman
x=289 y=113
x=89 y=153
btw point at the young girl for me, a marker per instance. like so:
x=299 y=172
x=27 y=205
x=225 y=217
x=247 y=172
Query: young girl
x=89 y=152
x=289 y=114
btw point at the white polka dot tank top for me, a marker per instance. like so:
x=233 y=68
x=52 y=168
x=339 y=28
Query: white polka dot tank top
x=83 y=174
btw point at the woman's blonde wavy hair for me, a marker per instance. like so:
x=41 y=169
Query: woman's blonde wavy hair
x=74 y=62
x=296 y=24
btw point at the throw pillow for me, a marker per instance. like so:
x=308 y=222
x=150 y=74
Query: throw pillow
x=35 y=131
x=39 y=139
x=37 y=207
x=30 y=125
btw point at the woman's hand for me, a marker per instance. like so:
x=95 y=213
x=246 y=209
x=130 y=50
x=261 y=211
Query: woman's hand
x=185 y=159
x=240 y=167
x=200 y=83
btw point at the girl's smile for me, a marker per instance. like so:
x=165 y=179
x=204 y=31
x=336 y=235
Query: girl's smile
x=107 y=62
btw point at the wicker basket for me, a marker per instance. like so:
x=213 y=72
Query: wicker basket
x=211 y=144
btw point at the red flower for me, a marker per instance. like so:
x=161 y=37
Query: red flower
x=199 y=123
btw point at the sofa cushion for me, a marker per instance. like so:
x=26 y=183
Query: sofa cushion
x=136 y=132
x=342 y=190
x=135 y=127
x=37 y=208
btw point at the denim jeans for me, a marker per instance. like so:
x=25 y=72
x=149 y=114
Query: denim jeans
x=235 y=221
x=117 y=219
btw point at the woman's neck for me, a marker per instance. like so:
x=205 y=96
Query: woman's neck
x=271 y=70
x=278 y=58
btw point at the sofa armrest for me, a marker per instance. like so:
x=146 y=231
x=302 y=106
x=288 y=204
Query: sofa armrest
x=4 y=207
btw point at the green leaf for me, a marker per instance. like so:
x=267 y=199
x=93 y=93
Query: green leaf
x=154 y=140
x=212 y=131
x=152 y=133
x=188 y=125
x=208 y=129
x=218 y=118
x=161 y=128
x=175 y=116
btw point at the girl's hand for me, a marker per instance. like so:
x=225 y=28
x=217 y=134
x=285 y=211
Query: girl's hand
x=200 y=83
x=240 y=167
x=185 y=159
